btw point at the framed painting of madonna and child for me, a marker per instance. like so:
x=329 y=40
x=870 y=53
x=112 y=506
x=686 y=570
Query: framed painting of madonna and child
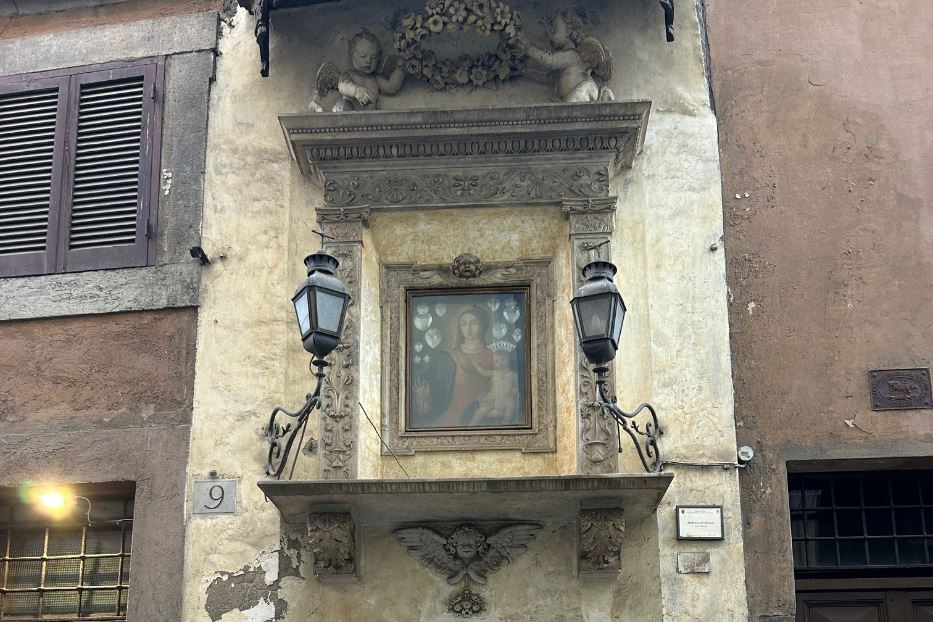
x=467 y=359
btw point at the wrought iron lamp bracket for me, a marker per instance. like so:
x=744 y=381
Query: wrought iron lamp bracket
x=645 y=439
x=281 y=437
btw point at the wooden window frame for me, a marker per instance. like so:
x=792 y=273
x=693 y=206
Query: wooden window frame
x=57 y=258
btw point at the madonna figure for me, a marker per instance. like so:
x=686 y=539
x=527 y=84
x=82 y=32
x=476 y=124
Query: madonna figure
x=447 y=393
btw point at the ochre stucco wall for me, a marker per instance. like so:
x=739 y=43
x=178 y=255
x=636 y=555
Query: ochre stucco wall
x=258 y=221
x=825 y=117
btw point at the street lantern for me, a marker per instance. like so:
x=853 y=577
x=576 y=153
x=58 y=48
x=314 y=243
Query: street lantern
x=598 y=312
x=321 y=305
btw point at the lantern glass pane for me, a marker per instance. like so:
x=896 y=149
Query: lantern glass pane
x=301 y=310
x=329 y=310
x=595 y=314
x=617 y=321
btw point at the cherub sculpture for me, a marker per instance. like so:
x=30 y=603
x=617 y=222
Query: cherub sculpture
x=467 y=554
x=359 y=87
x=582 y=64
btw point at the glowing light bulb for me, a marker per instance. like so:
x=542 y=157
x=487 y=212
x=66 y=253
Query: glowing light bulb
x=52 y=500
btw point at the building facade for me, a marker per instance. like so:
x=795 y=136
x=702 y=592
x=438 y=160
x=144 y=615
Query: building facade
x=761 y=187
x=103 y=128
x=825 y=120
x=452 y=175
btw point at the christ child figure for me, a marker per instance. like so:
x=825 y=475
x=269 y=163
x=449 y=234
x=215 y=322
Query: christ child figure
x=501 y=405
x=582 y=64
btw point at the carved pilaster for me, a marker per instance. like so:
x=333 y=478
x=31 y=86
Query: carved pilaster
x=591 y=225
x=333 y=541
x=600 y=533
x=340 y=397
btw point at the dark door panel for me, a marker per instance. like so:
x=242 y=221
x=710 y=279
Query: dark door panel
x=865 y=606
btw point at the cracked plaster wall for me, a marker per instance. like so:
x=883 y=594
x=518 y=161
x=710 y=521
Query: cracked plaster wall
x=260 y=209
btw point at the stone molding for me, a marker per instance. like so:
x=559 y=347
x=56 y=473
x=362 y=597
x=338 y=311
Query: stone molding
x=395 y=281
x=333 y=540
x=176 y=34
x=600 y=531
x=592 y=222
x=466 y=157
x=340 y=397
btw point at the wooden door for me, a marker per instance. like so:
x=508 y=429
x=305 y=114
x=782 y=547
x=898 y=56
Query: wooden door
x=865 y=606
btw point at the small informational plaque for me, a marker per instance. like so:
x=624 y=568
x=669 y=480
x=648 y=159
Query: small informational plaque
x=699 y=522
x=214 y=496
x=900 y=389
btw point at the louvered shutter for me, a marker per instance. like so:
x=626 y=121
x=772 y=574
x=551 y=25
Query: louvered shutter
x=106 y=199
x=31 y=146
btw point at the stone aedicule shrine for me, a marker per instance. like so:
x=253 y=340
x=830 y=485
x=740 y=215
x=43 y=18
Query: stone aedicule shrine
x=465 y=160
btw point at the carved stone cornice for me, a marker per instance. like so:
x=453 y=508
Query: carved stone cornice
x=471 y=156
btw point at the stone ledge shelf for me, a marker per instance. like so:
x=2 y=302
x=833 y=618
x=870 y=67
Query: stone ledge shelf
x=403 y=159
x=396 y=501
x=333 y=510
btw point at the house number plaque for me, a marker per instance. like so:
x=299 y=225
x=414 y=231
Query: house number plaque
x=214 y=496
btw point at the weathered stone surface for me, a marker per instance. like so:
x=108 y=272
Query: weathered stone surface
x=101 y=44
x=103 y=291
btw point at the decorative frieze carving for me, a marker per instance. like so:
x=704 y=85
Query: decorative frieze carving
x=468 y=157
x=466 y=555
x=332 y=539
x=601 y=531
x=466 y=186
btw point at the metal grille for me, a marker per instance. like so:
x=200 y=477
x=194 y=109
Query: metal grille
x=862 y=520
x=107 y=156
x=60 y=571
x=27 y=147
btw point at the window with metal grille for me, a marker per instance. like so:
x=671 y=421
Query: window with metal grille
x=870 y=520
x=78 y=156
x=72 y=568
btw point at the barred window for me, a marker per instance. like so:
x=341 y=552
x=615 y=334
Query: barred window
x=68 y=568
x=869 y=520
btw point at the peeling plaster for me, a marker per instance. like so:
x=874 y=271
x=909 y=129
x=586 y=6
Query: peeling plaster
x=254 y=589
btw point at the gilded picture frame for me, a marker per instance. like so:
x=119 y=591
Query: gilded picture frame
x=488 y=380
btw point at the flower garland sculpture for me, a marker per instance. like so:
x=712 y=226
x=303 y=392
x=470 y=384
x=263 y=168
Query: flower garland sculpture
x=485 y=17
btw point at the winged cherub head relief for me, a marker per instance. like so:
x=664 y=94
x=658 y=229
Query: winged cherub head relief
x=467 y=554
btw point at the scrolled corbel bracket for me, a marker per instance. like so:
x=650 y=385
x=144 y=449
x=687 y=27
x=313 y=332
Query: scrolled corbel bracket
x=600 y=531
x=334 y=542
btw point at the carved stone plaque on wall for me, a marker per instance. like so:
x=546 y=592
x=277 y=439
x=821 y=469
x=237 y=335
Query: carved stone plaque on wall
x=491 y=324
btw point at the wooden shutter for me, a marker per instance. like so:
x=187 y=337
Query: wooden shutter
x=31 y=144
x=112 y=135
